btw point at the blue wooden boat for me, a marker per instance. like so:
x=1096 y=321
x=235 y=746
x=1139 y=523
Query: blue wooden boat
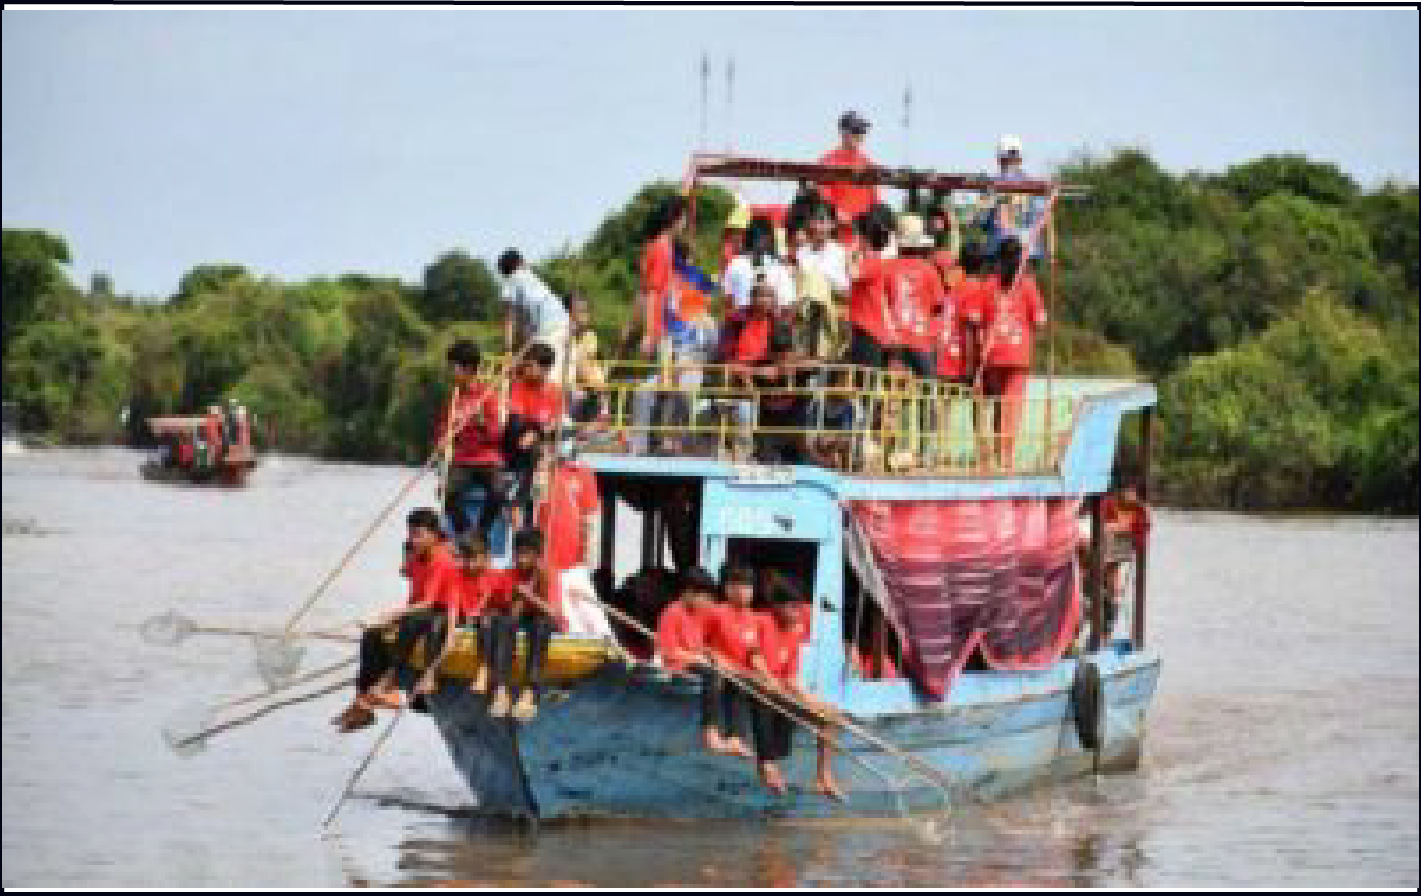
x=624 y=740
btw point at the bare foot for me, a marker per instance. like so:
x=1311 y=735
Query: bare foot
x=772 y=779
x=830 y=788
x=384 y=699
x=736 y=747
x=713 y=742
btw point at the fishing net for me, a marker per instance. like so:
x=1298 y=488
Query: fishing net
x=955 y=576
x=165 y=630
x=278 y=658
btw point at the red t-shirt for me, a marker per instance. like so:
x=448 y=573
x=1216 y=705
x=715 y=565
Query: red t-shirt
x=680 y=636
x=487 y=591
x=541 y=404
x=478 y=442
x=779 y=646
x=961 y=306
x=1136 y=519
x=572 y=496
x=752 y=341
x=869 y=307
x=1010 y=319
x=732 y=633
x=915 y=292
x=434 y=578
x=805 y=611
x=658 y=263
x=850 y=200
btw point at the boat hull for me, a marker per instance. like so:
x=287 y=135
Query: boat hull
x=625 y=743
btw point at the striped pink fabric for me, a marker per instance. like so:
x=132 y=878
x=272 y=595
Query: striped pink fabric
x=954 y=576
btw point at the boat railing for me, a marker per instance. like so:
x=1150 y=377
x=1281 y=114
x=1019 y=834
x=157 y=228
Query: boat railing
x=858 y=420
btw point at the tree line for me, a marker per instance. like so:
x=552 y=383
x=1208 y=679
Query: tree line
x=1275 y=305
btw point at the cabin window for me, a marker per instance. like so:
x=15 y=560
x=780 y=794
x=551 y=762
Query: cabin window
x=650 y=530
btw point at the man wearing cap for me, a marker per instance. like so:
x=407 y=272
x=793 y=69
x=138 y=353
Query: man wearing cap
x=1011 y=214
x=849 y=200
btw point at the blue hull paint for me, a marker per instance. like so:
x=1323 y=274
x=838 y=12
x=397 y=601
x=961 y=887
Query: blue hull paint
x=626 y=744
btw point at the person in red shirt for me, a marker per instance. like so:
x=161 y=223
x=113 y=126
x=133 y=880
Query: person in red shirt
x=432 y=573
x=533 y=611
x=484 y=593
x=775 y=659
x=731 y=630
x=873 y=329
x=535 y=408
x=849 y=200
x=657 y=269
x=476 y=464
x=915 y=294
x=1127 y=523
x=955 y=329
x=681 y=646
x=1010 y=321
x=569 y=519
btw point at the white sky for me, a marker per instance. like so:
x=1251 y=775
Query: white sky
x=304 y=142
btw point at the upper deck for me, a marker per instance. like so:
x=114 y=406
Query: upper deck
x=1065 y=445
x=896 y=436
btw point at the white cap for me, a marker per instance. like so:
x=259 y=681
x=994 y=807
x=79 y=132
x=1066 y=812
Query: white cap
x=1008 y=143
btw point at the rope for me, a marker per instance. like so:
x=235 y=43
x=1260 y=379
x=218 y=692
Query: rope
x=208 y=731
x=369 y=757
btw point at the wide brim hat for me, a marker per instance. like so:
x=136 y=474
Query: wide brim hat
x=911 y=233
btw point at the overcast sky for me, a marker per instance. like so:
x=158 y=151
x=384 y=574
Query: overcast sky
x=312 y=142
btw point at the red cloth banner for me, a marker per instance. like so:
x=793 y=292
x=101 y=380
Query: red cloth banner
x=997 y=576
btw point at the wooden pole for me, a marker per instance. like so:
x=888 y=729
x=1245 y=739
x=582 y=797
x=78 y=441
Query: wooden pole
x=1137 y=634
x=648 y=537
x=1097 y=573
x=609 y=529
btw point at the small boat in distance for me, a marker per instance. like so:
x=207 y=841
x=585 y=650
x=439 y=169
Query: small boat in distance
x=214 y=448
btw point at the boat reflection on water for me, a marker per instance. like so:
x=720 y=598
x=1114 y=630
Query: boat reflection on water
x=1080 y=835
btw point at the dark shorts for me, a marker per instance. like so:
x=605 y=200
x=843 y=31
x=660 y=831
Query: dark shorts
x=866 y=351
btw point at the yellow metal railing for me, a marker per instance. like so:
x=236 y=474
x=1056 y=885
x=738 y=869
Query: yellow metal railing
x=854 y=419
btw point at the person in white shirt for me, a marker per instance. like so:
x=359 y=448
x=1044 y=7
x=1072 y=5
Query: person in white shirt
x=824 y=254
x=535 y=313
x=759 y=260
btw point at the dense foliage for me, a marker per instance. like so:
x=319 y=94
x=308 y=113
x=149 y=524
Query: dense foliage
x=1275 y=304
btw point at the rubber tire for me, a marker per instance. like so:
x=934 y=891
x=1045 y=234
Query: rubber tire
x=1088 y=705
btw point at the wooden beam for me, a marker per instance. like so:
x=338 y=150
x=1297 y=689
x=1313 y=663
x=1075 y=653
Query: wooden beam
x=1097 y=573
x=1137 y=628
x=745 y=168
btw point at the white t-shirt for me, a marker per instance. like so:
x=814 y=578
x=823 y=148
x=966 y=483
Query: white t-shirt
x=740 y=277
x=539 y=312
x=832 y=262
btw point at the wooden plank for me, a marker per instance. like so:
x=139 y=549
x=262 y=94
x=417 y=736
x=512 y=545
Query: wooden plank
x=746 y=168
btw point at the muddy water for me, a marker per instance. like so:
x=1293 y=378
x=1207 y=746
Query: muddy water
x=1282 y=747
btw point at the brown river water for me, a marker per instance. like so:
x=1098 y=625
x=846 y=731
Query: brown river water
x=1282 y=745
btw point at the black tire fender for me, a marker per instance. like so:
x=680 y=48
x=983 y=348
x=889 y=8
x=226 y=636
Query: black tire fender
x=1088 y=704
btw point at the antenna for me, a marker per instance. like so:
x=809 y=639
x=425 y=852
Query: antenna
x=729 y=104
x=907 y=119
x=705 y=97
